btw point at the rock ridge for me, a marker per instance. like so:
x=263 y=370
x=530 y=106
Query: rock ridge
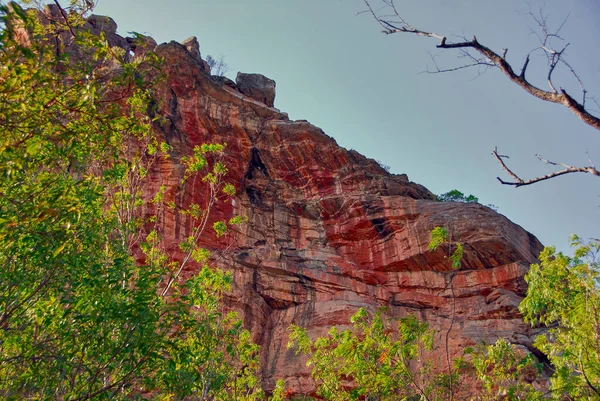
x=328 y=229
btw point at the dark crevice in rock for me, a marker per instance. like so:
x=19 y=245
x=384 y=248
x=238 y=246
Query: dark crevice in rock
x=151 y=109
x=254 y=195
x=275 y=303
x=382 y=227
x=256 y=164
x=173 y=104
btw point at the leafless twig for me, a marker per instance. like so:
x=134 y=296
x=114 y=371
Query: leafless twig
x=392 y=22
x=558 y=95
x=64 y=15
x=519 y=182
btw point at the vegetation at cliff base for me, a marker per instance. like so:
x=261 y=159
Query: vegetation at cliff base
x=384 y=359
x=80 y=316
x=564 y=294
x=381 y=364
x=94 y=303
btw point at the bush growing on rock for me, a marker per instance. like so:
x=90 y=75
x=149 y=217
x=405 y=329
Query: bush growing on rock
x=456 y=196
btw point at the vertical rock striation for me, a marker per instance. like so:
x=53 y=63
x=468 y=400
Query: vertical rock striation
x=328 y=230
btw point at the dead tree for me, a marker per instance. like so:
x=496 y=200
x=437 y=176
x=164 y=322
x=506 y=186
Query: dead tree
x=217 y=65
x=478 y=55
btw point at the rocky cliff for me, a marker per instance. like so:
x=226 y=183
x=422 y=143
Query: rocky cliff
x=328 y=229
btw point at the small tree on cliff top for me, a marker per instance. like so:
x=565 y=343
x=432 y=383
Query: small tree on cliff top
x=456 y=196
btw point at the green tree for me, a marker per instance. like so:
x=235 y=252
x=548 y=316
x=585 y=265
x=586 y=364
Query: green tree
x=563 y=294
x=373 y=360
x=456 y=196
x=504 y=373
x=79 y=318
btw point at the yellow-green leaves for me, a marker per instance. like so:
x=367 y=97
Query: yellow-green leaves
x=440 y=236
x=376 y=359
x=457 y=256
x=504 y=372
x=195 y=163
x=278 y=391
x=237 y=220
x=213 y=354
x=229 y=189
x=564 y=293
x=220 y=228
x=91 y=304
x=200 y=255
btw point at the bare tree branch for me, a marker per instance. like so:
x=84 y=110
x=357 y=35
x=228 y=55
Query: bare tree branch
x=476 y=63
x=519 y=182
x=524 y=68
x=480 y=55
x=397 y=24
x=62 y=12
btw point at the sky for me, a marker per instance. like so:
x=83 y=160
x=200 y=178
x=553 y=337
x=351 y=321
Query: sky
x=371 y=92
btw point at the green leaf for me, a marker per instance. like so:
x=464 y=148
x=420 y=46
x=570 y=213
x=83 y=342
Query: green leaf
x=58 y=250
x=457 y=256
x=439 y=236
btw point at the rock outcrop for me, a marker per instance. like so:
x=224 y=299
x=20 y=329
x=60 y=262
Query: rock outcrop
x=329 y=230
x=193 y=48
x=257 y=86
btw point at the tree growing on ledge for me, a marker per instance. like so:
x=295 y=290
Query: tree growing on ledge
x=457 y=196
x=392 y=21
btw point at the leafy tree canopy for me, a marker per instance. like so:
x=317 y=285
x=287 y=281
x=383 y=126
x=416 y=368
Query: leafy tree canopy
x=79 y=317
x=456 y=196
x=373 y=360
x=564 y=294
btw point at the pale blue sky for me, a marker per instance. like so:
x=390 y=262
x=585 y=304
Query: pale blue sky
x=365 y=89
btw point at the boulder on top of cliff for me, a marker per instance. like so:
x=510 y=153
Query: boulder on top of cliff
x=257 y=86
x=102 y=23
x=193 y=47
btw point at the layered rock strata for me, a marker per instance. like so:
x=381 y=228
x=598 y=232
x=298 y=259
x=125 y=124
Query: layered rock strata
x=328 y=230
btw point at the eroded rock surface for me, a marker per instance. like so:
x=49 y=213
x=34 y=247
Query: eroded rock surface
x=329 y=230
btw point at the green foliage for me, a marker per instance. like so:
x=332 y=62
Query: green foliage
x=456 y=196
x=279 y=391
x=505 y=374
x=563 y=293
x=372 y=360
x=440 y=236
x=79 y=318
x=220 y=228
x=211 y=353
x=456 y=256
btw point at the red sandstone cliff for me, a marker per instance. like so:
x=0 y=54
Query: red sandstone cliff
x=329 y=230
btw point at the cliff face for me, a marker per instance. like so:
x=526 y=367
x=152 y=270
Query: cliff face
x=328 y=230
